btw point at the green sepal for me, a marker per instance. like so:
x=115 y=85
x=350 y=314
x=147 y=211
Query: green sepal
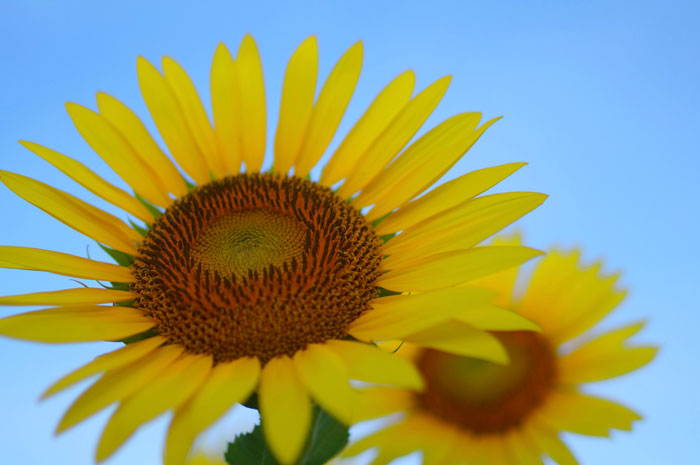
x=119 y=286
x=252 y=401
x=139 y=229
x=386 y=292
x=376 y=222
x=189 y=185
x=386 y=237
x=122 y=258
x=327 y=438
x=140 y=336
x=155 y=211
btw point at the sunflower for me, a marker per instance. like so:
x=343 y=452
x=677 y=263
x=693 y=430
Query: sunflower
x=478 y=412
x=234 y=281
x=204 y=459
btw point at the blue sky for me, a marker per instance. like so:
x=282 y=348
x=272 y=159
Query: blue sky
x=600 y=98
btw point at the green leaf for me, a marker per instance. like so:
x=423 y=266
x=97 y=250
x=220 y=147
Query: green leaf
x=249 y=449
x=326 y=439
x=122 y=258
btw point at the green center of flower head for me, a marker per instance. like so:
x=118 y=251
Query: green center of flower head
x=256 y=265
x=241 y=242
x=484 y=397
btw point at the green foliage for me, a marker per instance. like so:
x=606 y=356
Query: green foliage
x=149 y=206
x=376 y=222
x=118 y=286
x=386 y=292
x=386 y=237
x=249 y=449
x=139 y=229
x=327 y=438
x=122 y=258
x=140 y=336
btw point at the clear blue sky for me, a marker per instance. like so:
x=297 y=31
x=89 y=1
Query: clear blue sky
x=601 y=98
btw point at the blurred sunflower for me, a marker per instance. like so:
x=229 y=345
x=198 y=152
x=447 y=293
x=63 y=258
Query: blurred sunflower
x=480 y=413
x=242 y=282
x=204 y=459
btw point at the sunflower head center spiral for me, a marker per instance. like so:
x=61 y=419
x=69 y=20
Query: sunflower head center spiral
x=487 y=398
x=256 y=265
x=251 y=240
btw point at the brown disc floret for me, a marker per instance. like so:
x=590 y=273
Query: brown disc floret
x=256 y=265
x=482 y=397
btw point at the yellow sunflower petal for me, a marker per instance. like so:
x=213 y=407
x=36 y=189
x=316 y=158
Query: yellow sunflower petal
x=377 y=402
x=502 y=282
x=225 y=103
x=492 y=318
x=168 y=391
x=111 y=146
x=75 y=324
x=79 y=296
x=605 y=357
x=495 y=453
x=194 y=114
x=323 y=373
x=571 y=411
x=567 y=298
x=297 y=102
x=522 y=450
x=550 y=444
x=167 y=114
x=421 y=164
x=438 y=442
x=451 y=268
x=108 y=361
x=119 y=384
x=73 y=212
x=445 y=197
x=402 y=128
x=227 y=384
x=390 y=441
x=461 y=339
x=91 y=181
x=253 y=126
x=202 y=458
x=390 y=101
x=461 y=227
x=416 y=432
x=329 y=109
x=285 y=409
x=133 y=130
x=474 y=450
x=26 y=258
x=398 y=316
x=368 y=363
